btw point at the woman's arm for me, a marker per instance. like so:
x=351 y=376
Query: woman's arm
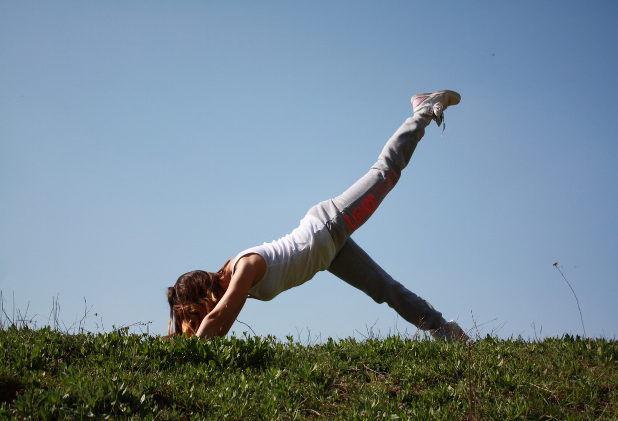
x=249 y=270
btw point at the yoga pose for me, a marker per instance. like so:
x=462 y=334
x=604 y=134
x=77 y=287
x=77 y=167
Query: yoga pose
x=207 y=303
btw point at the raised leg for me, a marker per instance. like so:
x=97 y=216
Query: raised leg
x=346 y=213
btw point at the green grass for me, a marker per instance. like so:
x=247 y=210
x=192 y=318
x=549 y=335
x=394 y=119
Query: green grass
x=46 y=374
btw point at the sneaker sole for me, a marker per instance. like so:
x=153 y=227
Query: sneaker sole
x=454 y=97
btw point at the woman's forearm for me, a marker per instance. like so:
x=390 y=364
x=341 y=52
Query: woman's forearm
x=220 y=320
x=210 y=327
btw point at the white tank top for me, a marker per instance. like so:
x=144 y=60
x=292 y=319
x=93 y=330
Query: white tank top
x=293 y=259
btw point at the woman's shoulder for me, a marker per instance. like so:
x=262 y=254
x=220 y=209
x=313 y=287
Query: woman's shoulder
x=253 y=265
x=251 y=259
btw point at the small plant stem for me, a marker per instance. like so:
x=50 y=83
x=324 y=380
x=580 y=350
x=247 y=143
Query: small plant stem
x=470 y=416
x=247 y=326
x=576 y=300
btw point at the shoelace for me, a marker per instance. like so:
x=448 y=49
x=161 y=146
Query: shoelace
x=438 y=110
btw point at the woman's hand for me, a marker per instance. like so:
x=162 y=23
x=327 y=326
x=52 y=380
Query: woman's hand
x=249 y=271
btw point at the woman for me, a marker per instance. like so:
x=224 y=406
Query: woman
x=206 y=304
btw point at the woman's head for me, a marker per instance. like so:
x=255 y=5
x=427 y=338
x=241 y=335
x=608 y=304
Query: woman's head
x=191 y=299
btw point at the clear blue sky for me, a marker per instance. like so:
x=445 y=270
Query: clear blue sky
x=142 y=140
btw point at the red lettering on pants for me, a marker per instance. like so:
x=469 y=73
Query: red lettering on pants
x=360 y=213
x=386 y=186
x=352 y=225
x=370 y=203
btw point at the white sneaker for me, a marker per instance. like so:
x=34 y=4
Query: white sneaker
x=450 y=332
x=434 y=104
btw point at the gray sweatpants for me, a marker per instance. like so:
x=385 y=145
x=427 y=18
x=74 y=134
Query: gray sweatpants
x=347 y=212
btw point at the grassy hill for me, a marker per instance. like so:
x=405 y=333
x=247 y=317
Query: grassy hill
x=46 y=374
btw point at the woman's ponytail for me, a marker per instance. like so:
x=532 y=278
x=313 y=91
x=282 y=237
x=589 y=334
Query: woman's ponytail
x=171 y=299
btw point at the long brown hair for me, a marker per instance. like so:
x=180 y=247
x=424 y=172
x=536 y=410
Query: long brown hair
x=191 y=299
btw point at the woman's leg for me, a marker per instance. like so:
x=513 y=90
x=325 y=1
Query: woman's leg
x=355 y=267
x=346 y=213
